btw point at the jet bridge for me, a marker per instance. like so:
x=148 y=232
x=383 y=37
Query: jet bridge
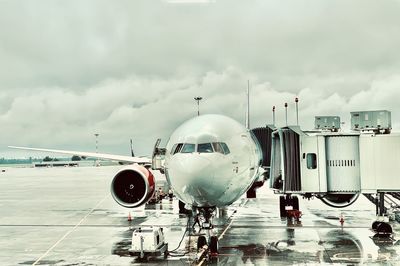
x=334 y=166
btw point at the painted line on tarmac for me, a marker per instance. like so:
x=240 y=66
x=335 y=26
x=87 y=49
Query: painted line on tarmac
x=70 y=231
x=226 y=229
x=233 y=218
x=272 y=227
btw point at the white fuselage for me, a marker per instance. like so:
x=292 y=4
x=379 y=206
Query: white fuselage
x=216 y=177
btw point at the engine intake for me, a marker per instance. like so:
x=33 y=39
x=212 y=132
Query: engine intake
x=339 y=200
x=133 y=186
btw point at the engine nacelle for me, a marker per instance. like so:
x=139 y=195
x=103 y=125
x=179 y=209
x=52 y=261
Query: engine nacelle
x=133 y=186
x=339 y=200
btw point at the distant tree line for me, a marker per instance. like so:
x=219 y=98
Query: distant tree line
x=76 y=158
x=32 y=160
x=49 y=159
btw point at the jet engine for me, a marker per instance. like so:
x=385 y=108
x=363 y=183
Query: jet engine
x=133 y=186
x=339 y=200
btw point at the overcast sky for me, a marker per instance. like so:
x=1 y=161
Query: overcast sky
x=130 y=69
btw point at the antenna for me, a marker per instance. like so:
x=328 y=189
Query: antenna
x=248 y=106
x=297 y=109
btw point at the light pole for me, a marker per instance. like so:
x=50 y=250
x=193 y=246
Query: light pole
x=286 y=105
x=97 y=142
x=198 y=99
x=273 y=114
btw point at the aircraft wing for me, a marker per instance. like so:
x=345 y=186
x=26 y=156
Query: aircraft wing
x=119 y=158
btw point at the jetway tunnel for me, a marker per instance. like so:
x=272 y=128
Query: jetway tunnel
x=324 y=165
x=331 y=165
x=336 y=167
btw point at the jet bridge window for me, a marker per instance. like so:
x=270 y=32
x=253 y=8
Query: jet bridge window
x=188 y=148
x=311 y=161
x=204 y=148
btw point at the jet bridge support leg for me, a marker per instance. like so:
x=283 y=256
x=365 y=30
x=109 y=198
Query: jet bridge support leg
x=288 y=202
x=382 y=210
x=381 y=226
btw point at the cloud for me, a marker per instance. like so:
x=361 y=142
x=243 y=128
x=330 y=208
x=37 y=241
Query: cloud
x=145 y=109
x=130 y=69
x=81 y=43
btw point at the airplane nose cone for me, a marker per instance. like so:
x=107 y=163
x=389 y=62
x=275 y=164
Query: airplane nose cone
x=192 y=176
x=190 y=168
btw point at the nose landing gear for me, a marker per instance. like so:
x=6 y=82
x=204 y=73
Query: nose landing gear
x=207 y=214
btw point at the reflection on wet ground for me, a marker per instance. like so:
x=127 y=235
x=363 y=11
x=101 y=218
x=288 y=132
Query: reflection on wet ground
x=45 y=217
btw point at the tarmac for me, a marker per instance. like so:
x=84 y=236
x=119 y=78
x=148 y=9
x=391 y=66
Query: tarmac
x=66 y=216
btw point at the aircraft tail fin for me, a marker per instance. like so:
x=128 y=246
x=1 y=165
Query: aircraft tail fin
x=132 y=153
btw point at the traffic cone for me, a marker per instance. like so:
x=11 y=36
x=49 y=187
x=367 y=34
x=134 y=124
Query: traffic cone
x=341 y=220
x=129 y=217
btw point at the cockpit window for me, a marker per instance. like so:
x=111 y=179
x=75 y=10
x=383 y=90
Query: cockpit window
x=204 y=147
x=217 y=147
x=176 y=148
x=188 y=148
x=173 y=148
x=225 y=147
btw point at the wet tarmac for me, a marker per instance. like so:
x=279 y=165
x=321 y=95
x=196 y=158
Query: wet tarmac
x=66 y=216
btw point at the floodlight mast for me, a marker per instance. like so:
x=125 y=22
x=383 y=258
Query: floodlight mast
x=297 y=109
x=286 y=106
x=198 y=99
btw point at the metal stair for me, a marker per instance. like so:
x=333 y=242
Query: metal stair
x=391 y=203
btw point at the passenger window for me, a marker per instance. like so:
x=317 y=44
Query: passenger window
x=187 y=148
x=225 y=147
x=218 y=148
x=204 y=147
x=311 y=161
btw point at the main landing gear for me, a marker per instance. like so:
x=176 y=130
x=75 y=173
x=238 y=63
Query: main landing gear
x=210 y=239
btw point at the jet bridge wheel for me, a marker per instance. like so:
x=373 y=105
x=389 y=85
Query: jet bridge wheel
x=383 y=228
x=201 y=241
x=375 y=225
x=214 y=244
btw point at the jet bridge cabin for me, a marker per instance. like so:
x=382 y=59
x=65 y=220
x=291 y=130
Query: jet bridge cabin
x=334 y=166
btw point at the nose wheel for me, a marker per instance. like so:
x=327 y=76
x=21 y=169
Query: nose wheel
x=213 y=245
x=201 y=242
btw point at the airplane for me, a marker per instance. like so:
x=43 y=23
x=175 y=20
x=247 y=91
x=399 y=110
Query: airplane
x=210 y=162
